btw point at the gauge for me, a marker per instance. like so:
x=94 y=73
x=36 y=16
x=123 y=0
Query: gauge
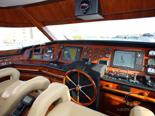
x=85 y=53
x=105 y=49
x=101 y=56
x=102 y=52
x=96 y=53
x=151 y=61
x=96 y=49
x=151 y=70
x=151 y=53
x=90 y=54
x=95 y=57
x=110 y=49
x=61 y=47
x=91 y=50
x=107 y=55
x=85 y=47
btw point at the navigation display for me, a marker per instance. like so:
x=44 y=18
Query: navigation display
x=72 y=53
x=124 y=58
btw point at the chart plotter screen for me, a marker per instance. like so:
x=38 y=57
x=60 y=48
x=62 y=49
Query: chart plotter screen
x=71 y=53
x=124 y=58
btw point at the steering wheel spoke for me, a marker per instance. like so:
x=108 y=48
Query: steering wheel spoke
x=86 y=95
x=71 y=80
x=79 y=86
x=86 y=85
x=78 y=96
x=71 y=89
x=78 y=78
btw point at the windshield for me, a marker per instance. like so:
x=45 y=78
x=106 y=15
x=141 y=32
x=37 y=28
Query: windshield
x=136 y=30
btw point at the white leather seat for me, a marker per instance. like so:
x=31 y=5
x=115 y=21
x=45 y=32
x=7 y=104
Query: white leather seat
x=13 y=90
x=140 y=111
x=60 y=93
x=64 y=107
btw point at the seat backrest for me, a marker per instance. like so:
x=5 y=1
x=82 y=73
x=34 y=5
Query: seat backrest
x=64 y=106
x=140 y=111
x=14 y=97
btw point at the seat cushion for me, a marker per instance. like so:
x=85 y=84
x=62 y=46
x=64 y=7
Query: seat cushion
x=2 y=103
x=69 y=108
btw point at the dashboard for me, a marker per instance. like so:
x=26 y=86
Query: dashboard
x=125 y=61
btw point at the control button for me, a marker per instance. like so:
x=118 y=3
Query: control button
x=131 y=81
x=137 y=82
x=102 y=52
x=113 y=78
x=85 y=53
x=91 y=50
x=96 y=53
x=90 y=54
x=95 y=57
x=101 y=56
x=107 y=55
x=110 y=49
x=109 y=77
x=105 y=49
x=96 y=49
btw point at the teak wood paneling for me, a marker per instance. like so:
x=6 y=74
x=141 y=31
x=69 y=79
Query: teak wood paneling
x=63 y=12
x=115 y=105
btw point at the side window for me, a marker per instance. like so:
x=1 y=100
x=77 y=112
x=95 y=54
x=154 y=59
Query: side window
x=17 y=38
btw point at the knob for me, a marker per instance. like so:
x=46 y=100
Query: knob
x=20 y=106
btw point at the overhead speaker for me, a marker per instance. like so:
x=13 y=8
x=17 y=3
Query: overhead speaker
x=88 y=9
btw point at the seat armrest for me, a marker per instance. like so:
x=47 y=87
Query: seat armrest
x=55 y=91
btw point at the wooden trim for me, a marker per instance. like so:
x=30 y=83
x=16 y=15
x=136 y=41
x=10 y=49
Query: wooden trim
x=39 y=25
x=27 y=69
x=53 y=74
x=132 y=95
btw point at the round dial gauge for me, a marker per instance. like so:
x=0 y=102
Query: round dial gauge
x=151 y=70
x=107 y=55
x=151 y=62
x=85 y=53
x=152 y=53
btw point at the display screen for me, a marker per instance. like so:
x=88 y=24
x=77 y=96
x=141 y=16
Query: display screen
x=71 y=53
x=124 y=58
x=79 y=67
x=36 y=50
x=103 y=62
x=86 y=59
x=27 y=99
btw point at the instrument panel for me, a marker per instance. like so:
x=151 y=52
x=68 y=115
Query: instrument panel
x=136 y=59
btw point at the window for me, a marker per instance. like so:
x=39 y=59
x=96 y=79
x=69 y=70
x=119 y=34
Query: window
x=17 y=38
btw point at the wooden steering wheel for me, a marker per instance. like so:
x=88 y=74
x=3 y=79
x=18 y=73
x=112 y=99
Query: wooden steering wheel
x=79 y=87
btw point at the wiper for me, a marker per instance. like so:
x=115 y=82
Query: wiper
x=66 y=37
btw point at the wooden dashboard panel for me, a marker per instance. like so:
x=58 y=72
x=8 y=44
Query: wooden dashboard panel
x=98 y=56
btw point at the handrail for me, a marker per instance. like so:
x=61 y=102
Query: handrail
x=57 y=75
x=27 y=69
x=132 y=95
